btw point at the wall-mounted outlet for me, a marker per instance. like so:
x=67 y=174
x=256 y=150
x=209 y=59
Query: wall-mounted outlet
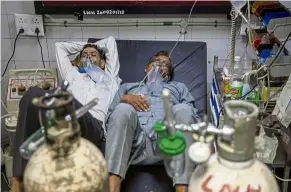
x=29 y=23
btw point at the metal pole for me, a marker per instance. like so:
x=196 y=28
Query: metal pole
x=168 y=112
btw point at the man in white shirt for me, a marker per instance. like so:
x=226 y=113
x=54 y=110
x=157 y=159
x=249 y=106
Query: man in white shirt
x=84 y=88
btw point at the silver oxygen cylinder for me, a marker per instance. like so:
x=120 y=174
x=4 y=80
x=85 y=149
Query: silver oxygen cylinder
x=66 y=162
x=235 y=167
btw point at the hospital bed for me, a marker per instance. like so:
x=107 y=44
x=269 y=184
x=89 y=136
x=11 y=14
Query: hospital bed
x=190 y=67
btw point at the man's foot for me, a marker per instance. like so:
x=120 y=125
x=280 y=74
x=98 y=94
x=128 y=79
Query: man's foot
x=181 y=188
x=114 y=183
x=16 y=185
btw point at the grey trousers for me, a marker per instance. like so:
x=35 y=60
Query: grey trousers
x=126 y=142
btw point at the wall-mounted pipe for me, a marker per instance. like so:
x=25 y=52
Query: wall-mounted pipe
x=136 y=24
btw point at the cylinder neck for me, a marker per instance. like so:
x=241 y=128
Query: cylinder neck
x=235 y=165
x=242 y=116
x=60 y=134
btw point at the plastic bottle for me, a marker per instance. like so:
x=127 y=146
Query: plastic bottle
x=254 y=96
x=246 y=86
x=226 y=74
x=236 y=82
x=265 y=93
x=247 y=61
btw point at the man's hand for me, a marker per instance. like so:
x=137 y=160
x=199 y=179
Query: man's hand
x=137 y=101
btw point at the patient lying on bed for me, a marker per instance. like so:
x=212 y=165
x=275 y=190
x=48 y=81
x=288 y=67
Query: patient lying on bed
x=132 y=114
x=83 y=88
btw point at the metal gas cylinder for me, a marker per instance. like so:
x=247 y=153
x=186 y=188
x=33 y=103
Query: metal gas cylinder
x=234 y=168
x=66 y=162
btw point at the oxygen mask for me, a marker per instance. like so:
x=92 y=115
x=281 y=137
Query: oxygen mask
x=88 y=62
x=159 y=67
x=157 y=72
x=155 y=77
x=95 y=72
x=155 y=80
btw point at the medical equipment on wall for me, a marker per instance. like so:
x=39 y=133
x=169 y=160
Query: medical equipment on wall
x=21 y=80
x=66 y=162
x=234 y=167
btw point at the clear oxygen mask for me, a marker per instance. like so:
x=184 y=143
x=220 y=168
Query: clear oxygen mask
x=155 y=74
x=155 y=79
x=95 y=72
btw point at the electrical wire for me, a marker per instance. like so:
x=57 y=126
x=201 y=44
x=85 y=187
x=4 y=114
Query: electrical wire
x=14 y=113
x=279 y=178
x=267 y=68
x=6 y=180
x=242 y=97
x=14 y=47
x=250 y=41
x=278 y=53
x=263 y=66
x=184 y=27
x=274 y=94
x=4 y=106
x=40 y=49
x=3 y=77
x=276 y=56
x=248 y=92
x=175 y=44
x=35 y=74
x=285 y=40
x=262 y=77
x=285 y=180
